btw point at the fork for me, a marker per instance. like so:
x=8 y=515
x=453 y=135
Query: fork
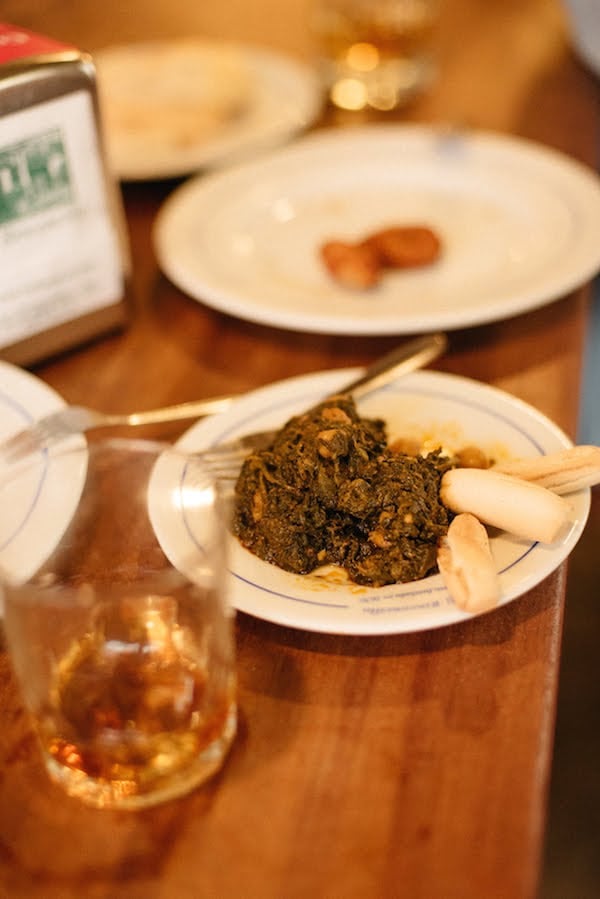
x=77 y=419
x=225 y=459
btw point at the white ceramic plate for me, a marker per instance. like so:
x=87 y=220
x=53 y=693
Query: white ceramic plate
x=23 y=399
x=429 y=405
x=33 y=513
x=283 y=98
x=585 y=31
x=519 y=224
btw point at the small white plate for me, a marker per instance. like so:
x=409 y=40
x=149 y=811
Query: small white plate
x=519 y=224
x=34 y=514
x=282 y=97
x=456 y=411
x=23 y=399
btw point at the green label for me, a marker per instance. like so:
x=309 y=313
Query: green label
x=34 y=175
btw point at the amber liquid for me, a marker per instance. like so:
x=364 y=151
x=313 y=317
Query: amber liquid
x=375 y=53
x=138 y=711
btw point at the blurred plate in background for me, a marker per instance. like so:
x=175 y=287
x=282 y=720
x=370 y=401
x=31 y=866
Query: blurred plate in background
x=584 y=20
x=170 y=108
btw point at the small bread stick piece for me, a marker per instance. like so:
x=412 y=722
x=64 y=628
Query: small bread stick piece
x=563 y=472
x=503 y=501
x=467 y=567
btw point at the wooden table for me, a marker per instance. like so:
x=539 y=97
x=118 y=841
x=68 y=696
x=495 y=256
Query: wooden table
x=394 y=766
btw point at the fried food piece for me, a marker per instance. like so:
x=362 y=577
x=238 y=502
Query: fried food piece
x=353 y=265
x=360 y=265
x=405 y=246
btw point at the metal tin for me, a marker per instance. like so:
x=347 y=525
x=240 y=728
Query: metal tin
x=64 y=259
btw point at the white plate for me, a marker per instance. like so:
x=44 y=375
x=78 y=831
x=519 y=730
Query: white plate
x=585 y=31
x=23 y=399
x=283 y=97
x=33 y=514
x=519 y=223
x=454 y=410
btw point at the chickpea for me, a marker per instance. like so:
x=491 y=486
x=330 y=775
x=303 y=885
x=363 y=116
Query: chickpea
x=472 y=457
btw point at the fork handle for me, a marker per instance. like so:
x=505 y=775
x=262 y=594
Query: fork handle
x=410 y=356
x=193 y=409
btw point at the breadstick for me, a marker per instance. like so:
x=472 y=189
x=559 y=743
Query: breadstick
x=466 y=565
x=506 y=502
x=562 y=472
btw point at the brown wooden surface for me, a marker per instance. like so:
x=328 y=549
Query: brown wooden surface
x=392 y=766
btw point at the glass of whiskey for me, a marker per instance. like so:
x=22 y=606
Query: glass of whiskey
x=113 y=560
x=374 y=54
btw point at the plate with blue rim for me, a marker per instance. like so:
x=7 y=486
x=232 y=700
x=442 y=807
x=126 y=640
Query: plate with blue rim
x=434 y=409
x=33 y=513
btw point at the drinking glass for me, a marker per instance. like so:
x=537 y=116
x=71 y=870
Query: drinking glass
x=374 y=53
x=114 y=572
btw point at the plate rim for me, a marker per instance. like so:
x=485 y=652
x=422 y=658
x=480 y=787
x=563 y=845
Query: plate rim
x=40 y=399
x=49 y=398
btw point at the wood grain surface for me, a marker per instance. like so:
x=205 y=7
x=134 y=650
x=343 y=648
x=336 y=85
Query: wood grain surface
x=398 y=766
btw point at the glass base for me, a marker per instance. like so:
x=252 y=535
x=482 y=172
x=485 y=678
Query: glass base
x=127 y=794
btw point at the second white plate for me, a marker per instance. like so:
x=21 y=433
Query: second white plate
x=519 y=224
